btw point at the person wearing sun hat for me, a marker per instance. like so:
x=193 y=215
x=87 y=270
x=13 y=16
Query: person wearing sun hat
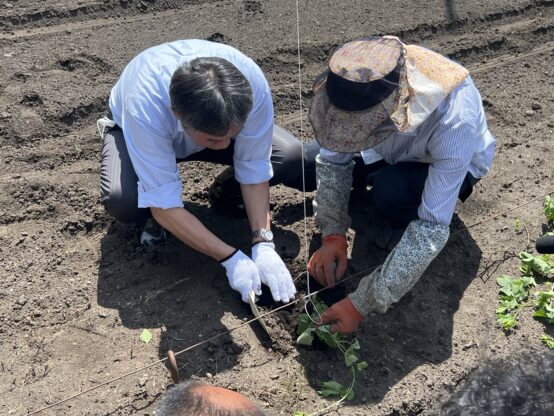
x=410 y=123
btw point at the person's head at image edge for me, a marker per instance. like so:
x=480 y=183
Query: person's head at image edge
x=212 y=99
x=196 y=399
x=520 y=385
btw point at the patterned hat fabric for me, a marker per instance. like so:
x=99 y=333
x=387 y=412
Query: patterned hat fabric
x=426 y=78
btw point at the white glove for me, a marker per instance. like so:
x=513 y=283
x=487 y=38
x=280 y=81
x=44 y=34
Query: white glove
x=243 y=275
x=273 y=272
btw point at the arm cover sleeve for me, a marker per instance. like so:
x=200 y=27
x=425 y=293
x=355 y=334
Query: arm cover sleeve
x=420 y=244
x=334 y=183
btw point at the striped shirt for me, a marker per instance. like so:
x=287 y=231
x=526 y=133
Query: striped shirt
x=454 y=140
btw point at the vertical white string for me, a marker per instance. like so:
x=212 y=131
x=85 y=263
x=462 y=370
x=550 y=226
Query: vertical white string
x=306 y=244
x=306 y=249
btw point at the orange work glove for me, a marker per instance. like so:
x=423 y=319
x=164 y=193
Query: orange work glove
x=343 y=316
x=328 y=263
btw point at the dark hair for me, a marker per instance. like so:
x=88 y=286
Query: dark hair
x=521 y=385
x=210 y=95
x=186 y=400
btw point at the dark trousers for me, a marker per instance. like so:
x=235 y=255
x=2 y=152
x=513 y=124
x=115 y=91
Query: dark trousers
x=118 y=180
x=397 y=189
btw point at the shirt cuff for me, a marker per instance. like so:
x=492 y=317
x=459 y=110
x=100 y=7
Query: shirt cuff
x=165 y=197
x=253 y=171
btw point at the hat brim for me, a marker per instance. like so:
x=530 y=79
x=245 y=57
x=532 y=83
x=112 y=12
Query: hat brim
x=350 y=131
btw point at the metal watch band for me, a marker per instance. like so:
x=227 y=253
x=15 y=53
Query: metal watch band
x=266 y=235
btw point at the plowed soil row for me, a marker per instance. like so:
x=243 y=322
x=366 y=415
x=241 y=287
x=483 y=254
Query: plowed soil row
x=76 y=288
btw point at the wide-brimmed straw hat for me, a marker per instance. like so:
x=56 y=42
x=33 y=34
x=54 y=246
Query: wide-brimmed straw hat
x=355 y=97
x=377 y=86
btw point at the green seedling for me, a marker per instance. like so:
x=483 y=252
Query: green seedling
x=513 y=293
x=545 y=306
x=542 y=266
x=549 y=208
x=145 y=336
x=548 y=341
x=307 y=330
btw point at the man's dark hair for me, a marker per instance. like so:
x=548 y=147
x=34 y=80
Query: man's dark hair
x=188 y=399
x=210 y=95
x=520 y=385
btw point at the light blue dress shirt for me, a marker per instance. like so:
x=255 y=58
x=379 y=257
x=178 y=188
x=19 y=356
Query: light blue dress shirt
x=455 y=139
x=155 y=139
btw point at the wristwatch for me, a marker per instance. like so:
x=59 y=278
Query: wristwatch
x=265 y=235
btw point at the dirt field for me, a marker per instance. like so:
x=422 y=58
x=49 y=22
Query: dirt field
x=76 y=289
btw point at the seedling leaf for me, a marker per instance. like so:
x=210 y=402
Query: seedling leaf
x=145 y=336
x=350 y=395
x=304 y=322
x=545 y=306
x=508 y=321
x=548 y=341
x=331 y=339
x=350 y=356
x=549 y=208
x=331 y=388
x=531 y=265
x=361 y=366
x=306 y=337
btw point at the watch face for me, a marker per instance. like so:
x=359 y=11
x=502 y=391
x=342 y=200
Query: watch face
x=267 y=235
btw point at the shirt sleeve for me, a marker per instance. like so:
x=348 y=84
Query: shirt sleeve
x=153 y=157
x=451 y=149
x=252 y=151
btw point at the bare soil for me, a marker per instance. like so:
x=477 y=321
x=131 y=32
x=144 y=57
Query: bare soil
x=76 y=288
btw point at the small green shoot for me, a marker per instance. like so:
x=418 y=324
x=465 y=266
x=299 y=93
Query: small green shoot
x=548 y=341
x=517 y=225
x=549 y=208
x=513 y=293
x=536 y=265
x=145 y=336
x=307 y=330
x=545 y=306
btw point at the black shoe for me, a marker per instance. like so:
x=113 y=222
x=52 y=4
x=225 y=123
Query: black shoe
x=152 y=234
x=225 y=195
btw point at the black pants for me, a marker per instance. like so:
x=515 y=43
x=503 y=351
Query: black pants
x=118 y=180
x=397 y=189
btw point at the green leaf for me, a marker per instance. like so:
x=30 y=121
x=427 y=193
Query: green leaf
x=508 y=321
x=319 y=305
x=504 y=280
x=331 y=339
x=350 y=356
x=306 y=337
x=362 y=365
x=145 y=336
x=545 y=306
x=549 y=208
x=304 y=322
x=535 y=264
x=548 y=341
x=331 y=388
x=299 y=414
x=349 y=395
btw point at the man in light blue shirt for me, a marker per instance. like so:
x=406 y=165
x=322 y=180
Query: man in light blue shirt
x=198 y=100
x=409 y=123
